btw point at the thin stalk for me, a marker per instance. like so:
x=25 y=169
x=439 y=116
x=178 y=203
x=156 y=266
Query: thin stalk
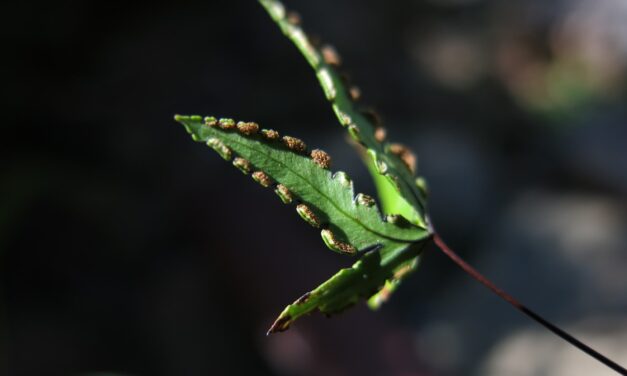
x=539 y=319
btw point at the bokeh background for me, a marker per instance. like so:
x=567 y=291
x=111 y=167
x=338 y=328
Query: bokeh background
x=127 y=249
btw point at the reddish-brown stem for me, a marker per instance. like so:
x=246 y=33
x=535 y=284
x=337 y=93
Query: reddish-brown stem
x=508 y=298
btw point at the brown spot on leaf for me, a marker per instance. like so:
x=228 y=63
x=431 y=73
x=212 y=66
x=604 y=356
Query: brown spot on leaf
x=308 y=215
x=364 y=199
x=247 y=129
x=384 y=294
x=355 y=93
x=294 y=144
x=210 y=121
x=270 y=134
x=345 y=119
x=330 y=55
x=293 y=17
x=303 y=298
x=280 y=325
x=243 y=165
x=400 y=273
x=262 y=178
x=226 y=124
x=336 y=245
x=408 y=158
x=284 y=194
x=380 y=133
x=223 y=150
x=321 y=158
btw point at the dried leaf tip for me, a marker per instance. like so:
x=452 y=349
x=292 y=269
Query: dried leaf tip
x=262 y=178
x=307 y=214
x=270 y=134
x=334 y=244
x=294 y=144
x=330 y=55
x=321 y=158
x=405 y=155
x=280 y=325
x=247 y=129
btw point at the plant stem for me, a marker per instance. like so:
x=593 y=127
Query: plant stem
x=508 y=298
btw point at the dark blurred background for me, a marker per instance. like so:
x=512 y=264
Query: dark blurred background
x=127 y=249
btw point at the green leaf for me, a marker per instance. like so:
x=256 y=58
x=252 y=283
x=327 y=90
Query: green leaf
x=348 y=222
x=376 y=275
x=392 y=171
x=325 y=200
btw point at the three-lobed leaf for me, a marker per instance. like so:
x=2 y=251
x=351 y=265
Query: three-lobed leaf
x=391 y=244
x=347 y=222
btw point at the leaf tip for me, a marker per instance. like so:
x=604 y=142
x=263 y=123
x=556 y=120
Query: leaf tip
x=280 y=325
